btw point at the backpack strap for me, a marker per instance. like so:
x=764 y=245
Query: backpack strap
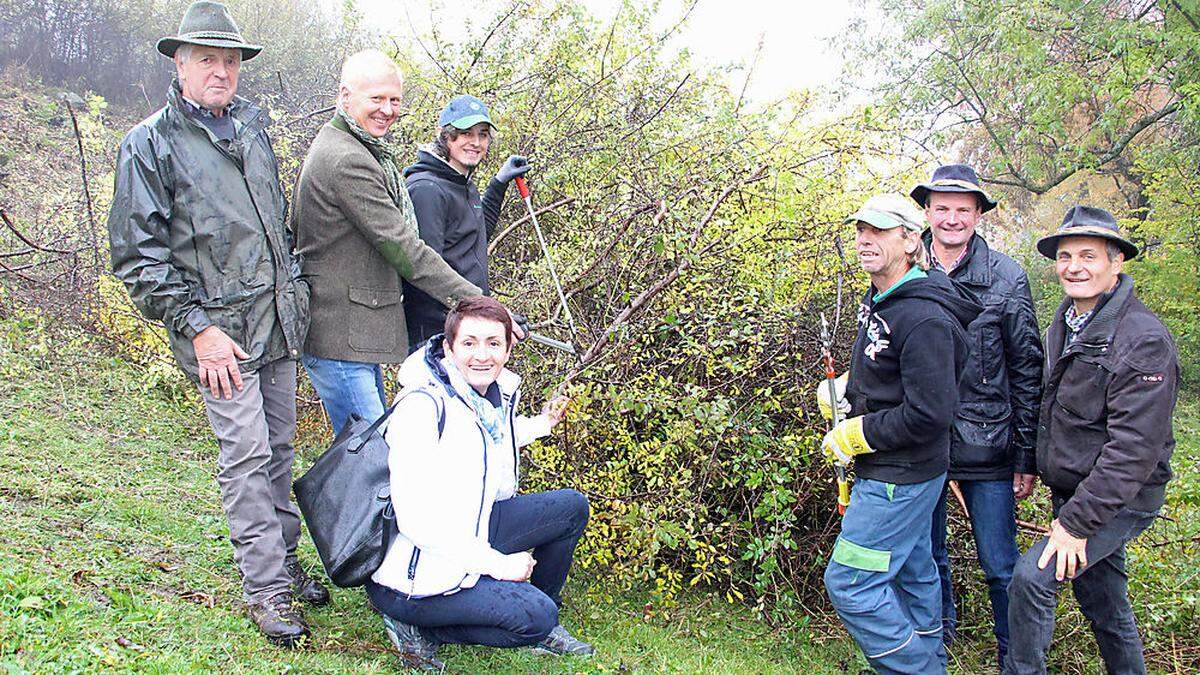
x=437 y=403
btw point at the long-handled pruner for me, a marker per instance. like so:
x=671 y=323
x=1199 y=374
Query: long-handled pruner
x=843 y=485
x=523 y=188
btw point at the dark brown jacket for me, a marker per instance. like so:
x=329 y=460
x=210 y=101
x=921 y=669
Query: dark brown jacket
x=1104 y=433
x=355 y=244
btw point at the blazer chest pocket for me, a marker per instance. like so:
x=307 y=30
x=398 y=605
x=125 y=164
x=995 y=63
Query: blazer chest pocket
x=1083 y=390
x=375 y=319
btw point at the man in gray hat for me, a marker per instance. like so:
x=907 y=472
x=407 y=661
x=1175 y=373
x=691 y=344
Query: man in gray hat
x=992 y=439
x=198 y=237
x=1104 y=444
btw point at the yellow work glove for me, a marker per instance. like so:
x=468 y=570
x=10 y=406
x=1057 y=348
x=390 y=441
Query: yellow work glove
x=839 y=390
x=845 y=440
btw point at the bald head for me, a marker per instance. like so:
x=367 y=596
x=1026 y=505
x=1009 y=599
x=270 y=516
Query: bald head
x=370 y=91
x=367 y=64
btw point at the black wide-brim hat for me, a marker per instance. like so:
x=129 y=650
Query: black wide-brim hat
x=953 y=178
x=208 y=24
x=1087 y=221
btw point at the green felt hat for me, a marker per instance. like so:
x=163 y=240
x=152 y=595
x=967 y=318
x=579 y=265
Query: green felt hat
x=208 y=24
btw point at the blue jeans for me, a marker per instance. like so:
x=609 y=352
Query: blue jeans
x=994 y=524
x=347 y=387
x=1103 y=595
x=882 y=580
x=503 y=613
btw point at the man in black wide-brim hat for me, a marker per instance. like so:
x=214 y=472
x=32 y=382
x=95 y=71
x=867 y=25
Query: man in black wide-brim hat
x=1104 y=445
x=198 y=237
x=992 y=437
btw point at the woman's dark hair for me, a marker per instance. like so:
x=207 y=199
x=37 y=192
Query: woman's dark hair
x=480 y=307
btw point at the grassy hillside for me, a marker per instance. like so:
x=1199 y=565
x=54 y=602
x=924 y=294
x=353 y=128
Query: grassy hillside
x=114 y=552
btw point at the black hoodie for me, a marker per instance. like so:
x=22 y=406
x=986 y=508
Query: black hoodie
x=456 y=223
x=904 y=371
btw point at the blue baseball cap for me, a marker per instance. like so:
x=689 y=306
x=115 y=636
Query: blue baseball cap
x=464 y=112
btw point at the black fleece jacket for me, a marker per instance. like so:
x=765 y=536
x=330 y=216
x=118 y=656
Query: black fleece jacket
x=456 y=223
x=909 y=354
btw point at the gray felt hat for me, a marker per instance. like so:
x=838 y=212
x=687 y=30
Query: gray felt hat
x=209 y=24
x=1087 y=221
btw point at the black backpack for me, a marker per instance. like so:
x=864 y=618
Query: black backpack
x=347 y=502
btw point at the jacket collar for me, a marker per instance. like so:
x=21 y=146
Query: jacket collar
x=1098 y=334
x=975 y=269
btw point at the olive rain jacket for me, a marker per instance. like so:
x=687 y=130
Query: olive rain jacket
x=456 y=223
x=197 y=234
x=904 y=371
x=1104 y=433
x=993 y=433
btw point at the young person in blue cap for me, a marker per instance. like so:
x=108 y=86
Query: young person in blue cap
x=901 y=395
x=992 y=438
x=1104 y=445
x=452 y=218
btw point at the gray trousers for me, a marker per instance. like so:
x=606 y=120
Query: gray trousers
x=254 y=470
x=1101 y=589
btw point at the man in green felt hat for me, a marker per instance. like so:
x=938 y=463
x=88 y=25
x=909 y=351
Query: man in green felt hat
x=197 y=235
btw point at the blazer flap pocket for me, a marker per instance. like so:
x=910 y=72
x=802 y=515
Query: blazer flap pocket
x=374 y=297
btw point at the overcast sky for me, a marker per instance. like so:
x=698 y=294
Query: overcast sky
x=794 y=34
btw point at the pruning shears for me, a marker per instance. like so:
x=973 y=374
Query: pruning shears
x=843 y=483
x=523 y=188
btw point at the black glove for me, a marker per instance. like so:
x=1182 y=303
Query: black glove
x=515 y=166
x=521 y=322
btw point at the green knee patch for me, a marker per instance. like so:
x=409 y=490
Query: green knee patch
x=860 y=557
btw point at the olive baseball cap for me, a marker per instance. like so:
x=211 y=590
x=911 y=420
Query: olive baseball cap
x=889 y=211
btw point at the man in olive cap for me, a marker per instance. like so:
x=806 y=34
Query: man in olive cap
x=1104 y=444
x=992 y=438
x=900 y=398
x=453 y=219
x=198 y=237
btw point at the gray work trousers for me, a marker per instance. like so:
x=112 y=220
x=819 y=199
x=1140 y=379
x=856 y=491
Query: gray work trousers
x=254 y=470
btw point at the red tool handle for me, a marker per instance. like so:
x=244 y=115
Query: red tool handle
x=522 y=187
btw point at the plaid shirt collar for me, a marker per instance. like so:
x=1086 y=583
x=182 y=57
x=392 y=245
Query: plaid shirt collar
x=1075 y=322
x=937 y=264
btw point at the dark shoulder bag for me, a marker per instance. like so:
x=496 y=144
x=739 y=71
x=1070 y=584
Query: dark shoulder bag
x=346 y=499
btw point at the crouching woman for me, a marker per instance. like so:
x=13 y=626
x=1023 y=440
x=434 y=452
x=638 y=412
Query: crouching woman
x=459 y=569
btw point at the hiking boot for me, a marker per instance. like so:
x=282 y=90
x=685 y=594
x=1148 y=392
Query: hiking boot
x=279 y=620
x=416 y=651
x=561 y=643
x=306 y=588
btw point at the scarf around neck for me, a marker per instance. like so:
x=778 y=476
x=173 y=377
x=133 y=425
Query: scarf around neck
x=387 y=161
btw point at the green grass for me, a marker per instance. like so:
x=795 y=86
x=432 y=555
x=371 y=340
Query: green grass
x=114 y=553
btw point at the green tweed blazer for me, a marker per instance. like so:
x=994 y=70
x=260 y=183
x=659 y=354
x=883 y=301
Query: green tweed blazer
x=355 y=245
